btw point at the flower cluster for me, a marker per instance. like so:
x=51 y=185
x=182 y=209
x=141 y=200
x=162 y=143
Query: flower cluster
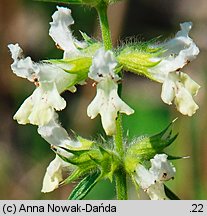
x=53 y=78
x=160 y=62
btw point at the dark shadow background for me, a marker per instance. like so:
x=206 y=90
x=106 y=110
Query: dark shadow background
x=24 y=156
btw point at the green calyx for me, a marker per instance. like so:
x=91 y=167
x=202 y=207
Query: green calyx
x=92 y=163
x=78 y=66
x=92 y=47
x=145 y=148
x=78 y=69
x=137 y=57
x=96 y=158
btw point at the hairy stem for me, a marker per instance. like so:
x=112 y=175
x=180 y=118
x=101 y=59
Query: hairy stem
x=105 y=30
x=120 y=175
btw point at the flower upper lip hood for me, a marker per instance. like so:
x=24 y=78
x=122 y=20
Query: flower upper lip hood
x=104 y=64
x=62 y=35
x=23 y=67
x=179 y=51
x=37 y=72
x=56 y=135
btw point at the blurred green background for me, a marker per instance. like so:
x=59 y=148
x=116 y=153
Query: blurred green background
x=24 y=156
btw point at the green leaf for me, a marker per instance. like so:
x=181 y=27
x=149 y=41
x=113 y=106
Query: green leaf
x=170 y=194
x=84 y=186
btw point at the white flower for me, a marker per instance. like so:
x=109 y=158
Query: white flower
x=103 y=66
x=50 y=81
x=151 y=181
x=156 y=192
x=179 y=51
x=53 y=175
x=62 y=35
x=56 y=135
x=161 y=168
x=181 y=88
x=144 y=178
x=22 y=67
x=107 y=102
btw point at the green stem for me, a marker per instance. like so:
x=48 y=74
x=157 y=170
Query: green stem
x=120 y=175
x=121 y=183
x=106 y=34
x=118 y=138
